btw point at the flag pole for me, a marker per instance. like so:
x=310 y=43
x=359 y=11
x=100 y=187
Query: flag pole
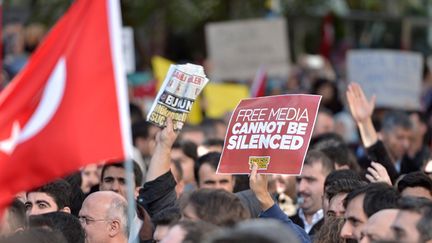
x=130 y=197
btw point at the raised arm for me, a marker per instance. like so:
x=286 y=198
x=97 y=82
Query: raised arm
x=161 y=159
x=361 y=110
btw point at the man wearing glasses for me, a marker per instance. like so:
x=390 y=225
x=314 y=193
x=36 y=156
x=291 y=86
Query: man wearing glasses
x=104 y=218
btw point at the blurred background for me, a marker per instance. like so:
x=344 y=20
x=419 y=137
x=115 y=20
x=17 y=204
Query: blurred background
x=297 y=46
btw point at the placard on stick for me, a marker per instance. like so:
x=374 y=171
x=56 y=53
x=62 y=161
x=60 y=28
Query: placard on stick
x=272 y=131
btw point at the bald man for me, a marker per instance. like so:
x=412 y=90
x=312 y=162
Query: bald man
x=378 y=226
x=104 y=218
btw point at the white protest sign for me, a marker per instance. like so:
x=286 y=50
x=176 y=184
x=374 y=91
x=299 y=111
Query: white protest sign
x=128 y=49
x=238 y=48
x=395 y=77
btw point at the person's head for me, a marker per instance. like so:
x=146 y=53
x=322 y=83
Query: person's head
x=189 y=231
x=113 y=178
x=378 y=226
x=310 y=184
x=177 y=172
x=185 y=152
x=214 y=128
x=415 y=184
x=162 y=222
x=65 y=223
x=396 y=132
x=335 y=193
x=330 y=231
x=14 y=218
x=324 y=122
x=211 y=145
x=413 y=222
x=255 y=231
x=192 y=133
x=205 y=173
x=216 y=206
x=51 y=197
x=342 y=157
x=90 y=176
x=104 y=217
x=144 y=137
x=36 y=235
x=362 y=203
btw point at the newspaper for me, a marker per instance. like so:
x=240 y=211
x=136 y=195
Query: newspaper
x=182 y=85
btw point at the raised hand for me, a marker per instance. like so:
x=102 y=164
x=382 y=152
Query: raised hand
x=166 y=136
x=259 y=185
x=377 y=173
x=361 y=108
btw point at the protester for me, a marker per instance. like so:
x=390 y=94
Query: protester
x=14 y=219
x=185 y=152
x=162 y=222
x=54 y=196
x=189 y=231
x=216 y=206
x=255 y=231
x=378 y=227
x=104 y=218
x=361 y=203
x=113 y=178
x=414 y=220
x=310 y=189
x=415 y=184
x=205 y=173
x=65 y=223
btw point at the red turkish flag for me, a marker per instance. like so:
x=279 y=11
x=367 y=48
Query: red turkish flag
x=68 y=107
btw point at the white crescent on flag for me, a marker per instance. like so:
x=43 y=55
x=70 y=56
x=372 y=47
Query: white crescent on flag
x=50 y=101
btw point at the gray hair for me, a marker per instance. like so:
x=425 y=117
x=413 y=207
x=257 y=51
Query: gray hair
x=118 y=210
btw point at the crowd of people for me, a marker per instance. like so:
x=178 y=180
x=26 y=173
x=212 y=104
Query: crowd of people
x=366 y=178
x=379 y=191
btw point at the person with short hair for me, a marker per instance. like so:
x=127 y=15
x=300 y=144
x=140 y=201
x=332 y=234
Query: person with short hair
x=113 y=178
x=189 y=231
x=361 y=203
x=310 y=188
x=36 y=235
x=104 y=218
x=255 y=231
x=378 y=226
x=63 y=222
x=162 y=222
x=413 y=222
x=216 y=206
x=51 y=197
x=415 y=184
x=205 y=173
x=14 y=218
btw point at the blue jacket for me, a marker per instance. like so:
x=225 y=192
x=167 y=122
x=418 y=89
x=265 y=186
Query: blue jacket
x=276 y=213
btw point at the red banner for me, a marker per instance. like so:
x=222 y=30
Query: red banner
x=272 y=131
x=68 y=107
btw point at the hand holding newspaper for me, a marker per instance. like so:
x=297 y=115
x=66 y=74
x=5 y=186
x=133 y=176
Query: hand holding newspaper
x=182 y=85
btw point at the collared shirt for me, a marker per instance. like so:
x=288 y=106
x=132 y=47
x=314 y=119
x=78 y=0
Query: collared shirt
x=315 y=218
x=398 y=166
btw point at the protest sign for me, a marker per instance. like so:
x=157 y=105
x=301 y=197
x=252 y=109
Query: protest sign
x=182 y=85
x=238 y=48
x=272 y=131
x=395 y=77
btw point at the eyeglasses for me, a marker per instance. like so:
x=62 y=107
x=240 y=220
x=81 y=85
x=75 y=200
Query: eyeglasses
x=87 y=221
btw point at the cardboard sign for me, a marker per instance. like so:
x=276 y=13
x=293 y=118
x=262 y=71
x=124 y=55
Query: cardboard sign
x=238 y=48
x=395 y=77
x=272 y=131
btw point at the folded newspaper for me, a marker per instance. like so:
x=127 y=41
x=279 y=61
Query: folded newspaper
x=182 y=85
